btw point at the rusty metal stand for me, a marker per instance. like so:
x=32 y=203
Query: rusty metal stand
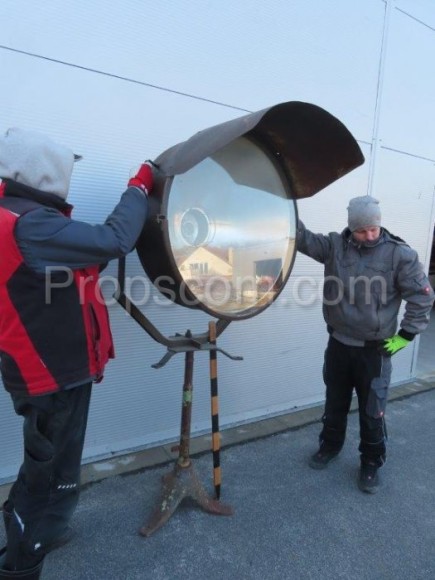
x=183 y=480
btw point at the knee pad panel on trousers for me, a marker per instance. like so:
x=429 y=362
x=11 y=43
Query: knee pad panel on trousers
x=378 y=393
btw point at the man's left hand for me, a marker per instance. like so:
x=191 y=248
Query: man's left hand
x=393 y=344
x=144 y=178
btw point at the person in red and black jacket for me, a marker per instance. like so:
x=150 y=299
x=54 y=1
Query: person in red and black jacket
x=55 y=337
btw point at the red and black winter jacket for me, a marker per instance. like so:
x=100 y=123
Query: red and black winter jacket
x=49 y=341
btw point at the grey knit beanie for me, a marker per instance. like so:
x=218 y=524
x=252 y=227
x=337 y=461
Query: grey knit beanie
x=363 y=212
x=35 y=160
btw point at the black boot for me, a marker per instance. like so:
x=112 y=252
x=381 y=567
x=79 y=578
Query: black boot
x=30 y=574
x=368 y=478
x=58 y=540
x=323 y=457
x=20 y=556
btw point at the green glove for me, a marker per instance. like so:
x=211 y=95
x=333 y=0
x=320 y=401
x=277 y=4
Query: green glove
x=394 y=344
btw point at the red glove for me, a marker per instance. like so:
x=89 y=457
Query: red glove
x=143 y=179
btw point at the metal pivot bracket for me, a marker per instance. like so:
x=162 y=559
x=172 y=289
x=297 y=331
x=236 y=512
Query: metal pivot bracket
x=177 y=349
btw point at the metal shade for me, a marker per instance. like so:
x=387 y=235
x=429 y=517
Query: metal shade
x=313 y=147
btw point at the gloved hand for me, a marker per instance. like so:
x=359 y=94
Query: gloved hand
x=144 y=178
x=395 y=343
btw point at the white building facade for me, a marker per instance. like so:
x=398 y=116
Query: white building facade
x=121 y=82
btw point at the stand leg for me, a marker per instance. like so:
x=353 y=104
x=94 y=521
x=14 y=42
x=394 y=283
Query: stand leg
x=180 y=483
x=183 y=481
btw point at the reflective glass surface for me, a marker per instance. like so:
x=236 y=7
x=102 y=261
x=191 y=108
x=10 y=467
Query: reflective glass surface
x=232 y=230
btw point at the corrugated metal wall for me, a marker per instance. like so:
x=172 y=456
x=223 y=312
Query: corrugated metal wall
x=122 y=81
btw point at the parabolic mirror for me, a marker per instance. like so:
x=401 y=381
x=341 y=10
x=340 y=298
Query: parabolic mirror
x=232 y=229
x=220 y=232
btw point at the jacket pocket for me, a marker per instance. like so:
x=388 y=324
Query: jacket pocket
x=381 y=280
x=38 y=456
x=12 y=378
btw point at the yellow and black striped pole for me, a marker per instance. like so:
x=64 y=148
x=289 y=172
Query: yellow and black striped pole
x=214 y=411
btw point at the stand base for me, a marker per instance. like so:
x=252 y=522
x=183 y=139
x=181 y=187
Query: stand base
x=180 y=483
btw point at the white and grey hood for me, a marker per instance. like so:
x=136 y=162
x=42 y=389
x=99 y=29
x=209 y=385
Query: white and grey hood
x=33 y=159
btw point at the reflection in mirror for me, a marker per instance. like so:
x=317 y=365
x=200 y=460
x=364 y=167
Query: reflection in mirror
x=232 y=229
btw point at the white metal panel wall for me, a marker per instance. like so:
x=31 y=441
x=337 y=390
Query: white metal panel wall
x=408 y=120
x=404 y=179
x=122 y=81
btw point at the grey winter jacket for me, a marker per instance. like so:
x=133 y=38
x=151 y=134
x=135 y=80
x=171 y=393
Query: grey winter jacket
x=365 y=284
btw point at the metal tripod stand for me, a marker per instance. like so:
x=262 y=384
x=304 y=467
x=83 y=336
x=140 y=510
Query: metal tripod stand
x=182 y=481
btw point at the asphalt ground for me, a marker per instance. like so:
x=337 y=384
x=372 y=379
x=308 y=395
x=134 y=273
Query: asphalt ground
x=289 y=522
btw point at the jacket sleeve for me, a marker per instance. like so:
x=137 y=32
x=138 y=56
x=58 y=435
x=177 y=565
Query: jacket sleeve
x=416 y=290
x=47 y=238
x=316 y=246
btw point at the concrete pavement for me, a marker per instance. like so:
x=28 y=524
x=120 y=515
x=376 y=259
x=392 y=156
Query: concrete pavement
x=290 y=522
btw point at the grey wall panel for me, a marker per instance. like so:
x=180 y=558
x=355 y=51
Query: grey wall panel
x=224 y=57
x=247 y=54
x=422 y=10
x=10 y=437
x=407 y=120
x=405 y=186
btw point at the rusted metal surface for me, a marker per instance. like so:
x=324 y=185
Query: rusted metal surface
x=175 y=344
x=313 y=146
x=183 y=481
x=186 y=410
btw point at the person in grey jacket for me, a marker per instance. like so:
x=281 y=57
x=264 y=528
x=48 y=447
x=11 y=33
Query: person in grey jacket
x=368 y=272
x=55 y=336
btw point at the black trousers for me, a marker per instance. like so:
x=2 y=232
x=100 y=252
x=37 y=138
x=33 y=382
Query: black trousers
x=368 y=372
x=47 y=488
